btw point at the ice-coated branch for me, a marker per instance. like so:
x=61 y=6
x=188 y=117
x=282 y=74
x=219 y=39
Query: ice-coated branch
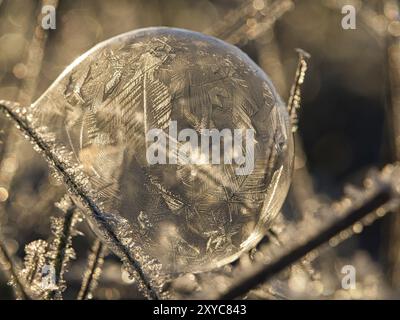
x=93 y=271
x=18 y=284
x=264 y=273
x=60 y=249
x=55 y=156
x=295 y=92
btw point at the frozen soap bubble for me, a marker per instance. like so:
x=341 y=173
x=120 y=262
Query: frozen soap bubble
x=182 y=141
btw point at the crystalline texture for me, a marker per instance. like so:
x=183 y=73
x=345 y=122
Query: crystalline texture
x=189 y=217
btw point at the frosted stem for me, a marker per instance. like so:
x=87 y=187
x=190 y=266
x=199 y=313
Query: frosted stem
x=77 y=190
x=93 y=271
x=18 y=285
x=295 y=92
x=264 y=273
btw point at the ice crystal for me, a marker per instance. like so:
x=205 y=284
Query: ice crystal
x=34 y=261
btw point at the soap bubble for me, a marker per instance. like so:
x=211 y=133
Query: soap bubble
x=190 y=204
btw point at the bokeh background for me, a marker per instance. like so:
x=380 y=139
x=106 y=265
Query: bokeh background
x=345 y=121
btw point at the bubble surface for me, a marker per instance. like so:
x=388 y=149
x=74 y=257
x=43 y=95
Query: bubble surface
x=189 y=215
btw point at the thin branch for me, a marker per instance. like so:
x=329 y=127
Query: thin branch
x=60 y=251
x=34 y=261
x=264 y=273
x=295 y=92
x=18 y=285
x=93 y=271
x=16 y=113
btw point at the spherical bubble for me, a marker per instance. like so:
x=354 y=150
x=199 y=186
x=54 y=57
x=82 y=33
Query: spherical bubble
x=186 y=143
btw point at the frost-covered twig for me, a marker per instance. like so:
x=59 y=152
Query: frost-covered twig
x=302 y=187
x=45 y=263
x=76 y=181
x=93 y=271
x=295 y=92
x=34 y=261
x=60 y=248
x=263 y=273
x=9 y=267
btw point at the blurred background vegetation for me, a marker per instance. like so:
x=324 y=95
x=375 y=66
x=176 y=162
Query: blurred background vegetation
x=345 y=123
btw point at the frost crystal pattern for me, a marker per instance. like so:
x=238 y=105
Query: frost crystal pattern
x=189 y=217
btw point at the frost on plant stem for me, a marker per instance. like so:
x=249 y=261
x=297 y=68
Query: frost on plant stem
x=92 y=272
x=295 y=93
x=52 y=257
x=60 y=250
x=66 y=169
x=34 y=261
x=18 y=283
